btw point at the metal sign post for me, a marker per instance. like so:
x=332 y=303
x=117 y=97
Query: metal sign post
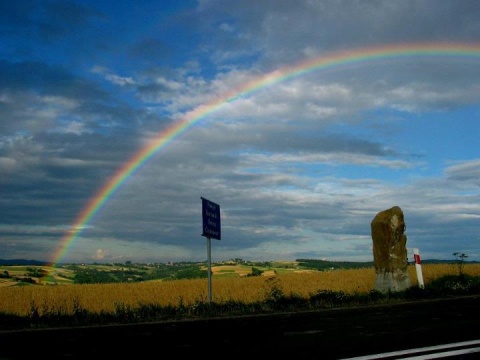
x=211 y=229
x=209 y=260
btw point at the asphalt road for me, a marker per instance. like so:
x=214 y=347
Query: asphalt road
x=326 y=334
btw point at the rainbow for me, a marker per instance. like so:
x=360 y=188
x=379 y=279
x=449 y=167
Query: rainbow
x=331 y=60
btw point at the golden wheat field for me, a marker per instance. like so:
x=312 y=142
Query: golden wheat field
x=99 y=298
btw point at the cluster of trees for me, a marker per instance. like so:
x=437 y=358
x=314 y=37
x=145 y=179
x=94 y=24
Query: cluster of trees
x=256 y=272
x=331 y=265
x=94 y=276
x=28 y=277
x=134 y=274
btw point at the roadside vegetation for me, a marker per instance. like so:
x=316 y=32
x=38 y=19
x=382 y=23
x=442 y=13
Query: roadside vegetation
x=97 y=294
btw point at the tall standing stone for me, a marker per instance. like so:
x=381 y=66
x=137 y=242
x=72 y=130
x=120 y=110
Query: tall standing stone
x=389 y=251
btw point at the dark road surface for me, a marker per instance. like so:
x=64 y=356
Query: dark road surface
x=326 y=334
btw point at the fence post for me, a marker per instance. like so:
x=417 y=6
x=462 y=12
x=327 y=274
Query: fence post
x=418 y=267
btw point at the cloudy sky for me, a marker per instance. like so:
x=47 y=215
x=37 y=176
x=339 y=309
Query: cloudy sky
x=299 y=167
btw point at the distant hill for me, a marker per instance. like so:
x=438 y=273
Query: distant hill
x=436 y=261
x=307 y=263
x=22 y=262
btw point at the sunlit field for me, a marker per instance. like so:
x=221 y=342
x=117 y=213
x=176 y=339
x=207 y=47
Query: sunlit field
x=98 y=298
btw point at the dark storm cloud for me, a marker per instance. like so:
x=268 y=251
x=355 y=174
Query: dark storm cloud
x=62 y=18
x=40 y=151
x=150 y=50
x=53 y=17
x=46 y=79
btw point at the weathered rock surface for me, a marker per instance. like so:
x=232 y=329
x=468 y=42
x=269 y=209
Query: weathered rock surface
x=389 y=250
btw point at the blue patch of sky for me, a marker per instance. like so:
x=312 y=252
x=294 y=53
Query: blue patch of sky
x=427 y=138
x=436 y=136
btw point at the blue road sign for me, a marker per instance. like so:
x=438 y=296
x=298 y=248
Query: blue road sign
x=211 y=219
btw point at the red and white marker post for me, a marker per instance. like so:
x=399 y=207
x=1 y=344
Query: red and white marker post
x=418 y=267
